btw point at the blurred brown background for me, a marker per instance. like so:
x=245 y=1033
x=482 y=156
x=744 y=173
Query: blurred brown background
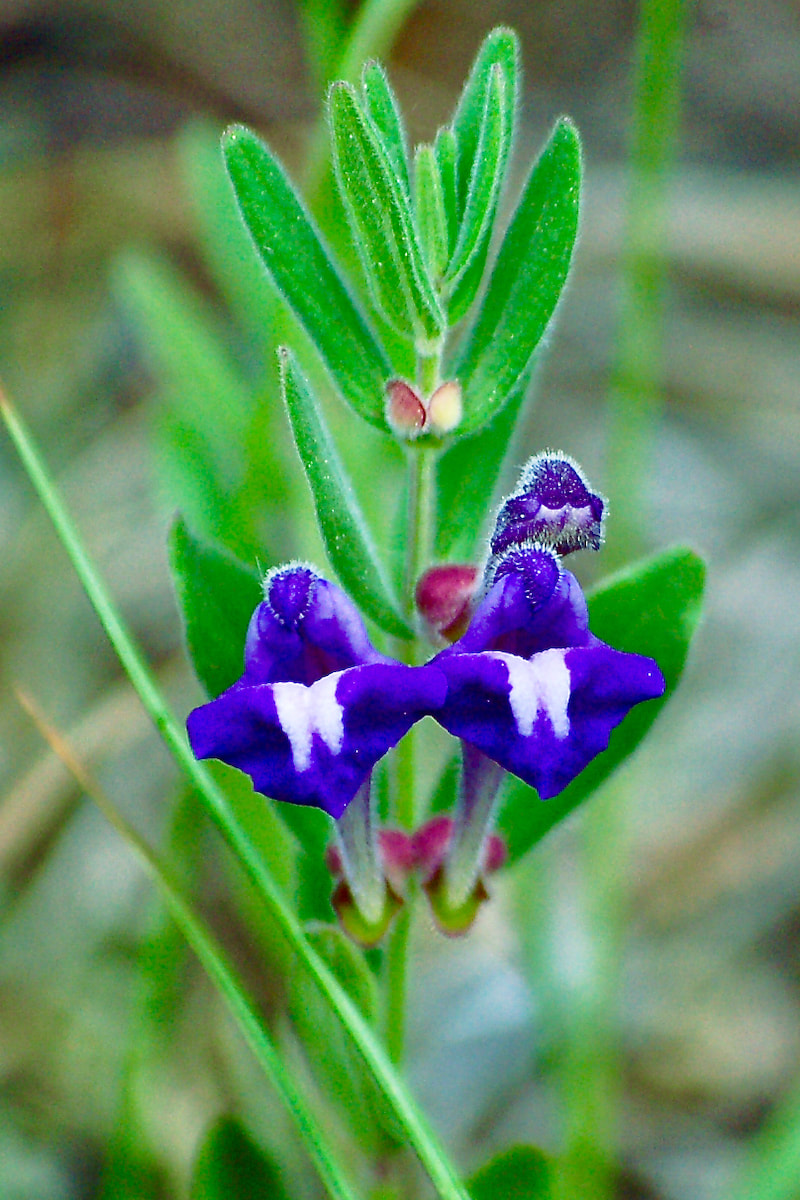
x=94 y=99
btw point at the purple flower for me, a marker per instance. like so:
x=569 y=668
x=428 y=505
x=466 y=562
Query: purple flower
x=553 y=505
x=528 y=684
x=317 y=705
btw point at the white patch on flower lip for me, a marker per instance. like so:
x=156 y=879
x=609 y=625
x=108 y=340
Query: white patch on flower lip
x=304 y=711
x=541 y=684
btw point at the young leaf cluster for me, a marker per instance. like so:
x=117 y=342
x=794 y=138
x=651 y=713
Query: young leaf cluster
x=422 y=226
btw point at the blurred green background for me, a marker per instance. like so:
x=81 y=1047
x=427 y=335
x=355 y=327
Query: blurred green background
x=108 y=116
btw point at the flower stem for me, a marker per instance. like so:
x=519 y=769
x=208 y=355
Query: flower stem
x=421 y=509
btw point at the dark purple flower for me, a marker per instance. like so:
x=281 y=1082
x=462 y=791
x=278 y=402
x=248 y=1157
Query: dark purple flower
x=529 y=685
x=553 y=505
x=317 y=705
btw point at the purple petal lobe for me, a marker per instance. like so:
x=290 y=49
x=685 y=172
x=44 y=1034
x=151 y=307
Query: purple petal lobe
x=315 y=744
x=544 y=719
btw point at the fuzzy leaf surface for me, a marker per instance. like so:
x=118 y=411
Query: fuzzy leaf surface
x=344 y=530
x=500 y=49
x=430 y=210
x=651 y=608
x=526 y=282
x=381 y=106
x=381 y=223
x=446 y=153
x=466 y=267
x=296 y=258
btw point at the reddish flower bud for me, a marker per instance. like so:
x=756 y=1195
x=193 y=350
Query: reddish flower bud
x=405 y=411
x=444 y=597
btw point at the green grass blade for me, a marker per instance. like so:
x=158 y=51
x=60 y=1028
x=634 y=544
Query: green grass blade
x=526 y=282
x=420 y=1137
x=381 y=223
x=301 y=268
x=652 y=608
x=345 y=533
x=214 y=960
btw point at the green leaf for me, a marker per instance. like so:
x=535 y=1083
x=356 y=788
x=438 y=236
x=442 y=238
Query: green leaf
x=519 y=1173
x=217 y=595
x=430 y=210
x=298 y=262
x=230 y=1166
x=446 y=158
x=347 y=539
x=380 y=104
x=499 y=49
x=467 y=475
x=381 y=223
x=465 y=270
x=526 y=282
x=651 y=608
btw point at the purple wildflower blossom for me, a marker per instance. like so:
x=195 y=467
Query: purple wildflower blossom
x=528 y=684
x=317 y=705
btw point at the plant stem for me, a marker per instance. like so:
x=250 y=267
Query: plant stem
x=421 y=518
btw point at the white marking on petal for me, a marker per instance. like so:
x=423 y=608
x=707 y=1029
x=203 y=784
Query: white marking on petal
x=304 y=711
x=541 y=684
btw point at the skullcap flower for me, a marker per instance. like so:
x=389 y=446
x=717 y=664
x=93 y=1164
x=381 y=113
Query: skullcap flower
x=528 y=684
x=317 y=705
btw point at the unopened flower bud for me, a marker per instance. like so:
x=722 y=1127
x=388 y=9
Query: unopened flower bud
x=405 y=411
x=409 y=415
x=445 y=408
x=553 y=505
x=444 y=598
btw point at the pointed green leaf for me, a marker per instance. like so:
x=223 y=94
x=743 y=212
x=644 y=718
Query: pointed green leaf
x=380 y=104
x=302 y=269
x=466 y=478
x=344 y=531
x=499 y=49
x=465 y=270
x=651 y=608
x=430 y=210
x=381 y=222
x=526 y=282
x=217 y=595
x=446 y=156
x=230 y=1164
x=518 y=1173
